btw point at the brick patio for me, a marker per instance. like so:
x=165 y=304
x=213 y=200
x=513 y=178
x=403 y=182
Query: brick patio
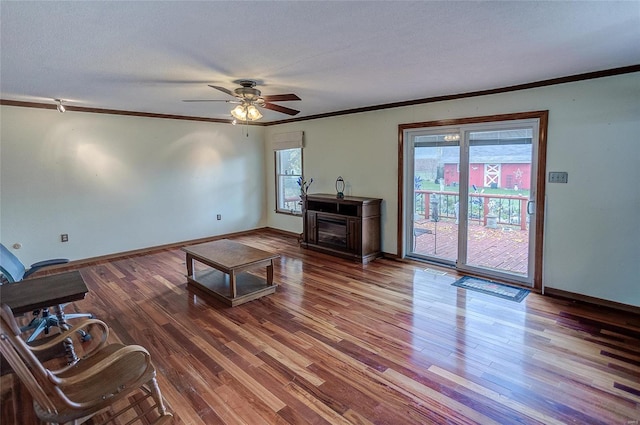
x=503 y=248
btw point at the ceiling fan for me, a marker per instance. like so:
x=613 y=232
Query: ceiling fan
x=248 y=97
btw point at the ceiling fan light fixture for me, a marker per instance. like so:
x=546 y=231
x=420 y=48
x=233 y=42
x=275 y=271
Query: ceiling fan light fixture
x=246 y=112
x=60 y=107
x=249 y=99
x=253 y=113
x=239 y=112
x=452 y=137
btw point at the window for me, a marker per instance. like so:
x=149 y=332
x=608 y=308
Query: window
x=288 y=171
x=287 y=149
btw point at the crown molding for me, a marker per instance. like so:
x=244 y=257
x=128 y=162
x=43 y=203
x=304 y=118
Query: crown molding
x=536 y=84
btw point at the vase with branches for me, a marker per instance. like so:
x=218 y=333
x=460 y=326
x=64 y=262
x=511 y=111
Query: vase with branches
x=304 y=186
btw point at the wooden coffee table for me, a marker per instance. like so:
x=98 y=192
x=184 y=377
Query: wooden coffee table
x=227 y=280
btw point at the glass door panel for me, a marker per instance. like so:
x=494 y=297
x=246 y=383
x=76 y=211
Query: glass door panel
x=436 y=182
x=499 y=183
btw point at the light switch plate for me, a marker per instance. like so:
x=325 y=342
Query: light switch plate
x=558 y=177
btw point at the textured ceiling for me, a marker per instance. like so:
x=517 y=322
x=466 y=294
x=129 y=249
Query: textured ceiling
x=148 y=56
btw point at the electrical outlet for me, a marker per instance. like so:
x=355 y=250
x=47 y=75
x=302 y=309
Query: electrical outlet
x=64 y=237
x=558 y=177
x=219 y=217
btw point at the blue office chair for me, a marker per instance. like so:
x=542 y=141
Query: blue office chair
x=13 y=270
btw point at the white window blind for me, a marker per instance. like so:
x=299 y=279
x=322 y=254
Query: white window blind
x=289 y=140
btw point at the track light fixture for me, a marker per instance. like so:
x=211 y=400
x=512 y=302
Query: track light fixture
x=60 y=106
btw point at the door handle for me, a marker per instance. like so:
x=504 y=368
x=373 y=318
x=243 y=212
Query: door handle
x=529 y=210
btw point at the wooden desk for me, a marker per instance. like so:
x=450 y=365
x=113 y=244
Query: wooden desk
x=47 y=291
x=229 y=259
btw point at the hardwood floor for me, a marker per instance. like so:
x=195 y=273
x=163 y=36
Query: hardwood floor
x=345 y=343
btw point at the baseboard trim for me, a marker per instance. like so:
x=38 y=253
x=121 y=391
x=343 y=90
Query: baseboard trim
x=559 y=293
x=75 y=264
x=390 y=256
x=286 y=233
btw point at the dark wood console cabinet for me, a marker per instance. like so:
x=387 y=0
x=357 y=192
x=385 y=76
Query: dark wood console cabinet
x=348 y=227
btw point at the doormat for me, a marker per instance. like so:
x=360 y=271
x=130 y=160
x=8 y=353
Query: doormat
x=492 y=288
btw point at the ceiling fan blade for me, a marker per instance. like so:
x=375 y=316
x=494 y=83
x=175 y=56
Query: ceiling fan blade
x=280 y=97
x=223 y=90
x=279 y=108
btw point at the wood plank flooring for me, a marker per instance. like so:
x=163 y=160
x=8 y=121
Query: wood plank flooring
x=343 y=343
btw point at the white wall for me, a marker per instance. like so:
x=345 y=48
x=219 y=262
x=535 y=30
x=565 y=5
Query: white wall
x=592 y=230
x=118 y=183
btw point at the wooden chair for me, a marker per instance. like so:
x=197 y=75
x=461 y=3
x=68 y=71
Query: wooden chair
x=105 y=375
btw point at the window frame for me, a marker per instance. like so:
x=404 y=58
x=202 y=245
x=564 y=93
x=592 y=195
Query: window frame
x=280 y=208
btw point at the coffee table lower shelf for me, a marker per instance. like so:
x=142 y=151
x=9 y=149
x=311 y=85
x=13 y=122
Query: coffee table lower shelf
x=217 y=284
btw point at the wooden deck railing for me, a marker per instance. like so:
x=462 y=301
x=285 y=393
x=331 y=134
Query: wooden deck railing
x=508 y=209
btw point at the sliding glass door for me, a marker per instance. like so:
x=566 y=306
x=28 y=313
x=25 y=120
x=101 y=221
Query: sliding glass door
x=499 y=179
x=434 y=230
x=469 y=195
